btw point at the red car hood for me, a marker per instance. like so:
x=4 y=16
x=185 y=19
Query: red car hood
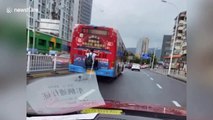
x=144 y=108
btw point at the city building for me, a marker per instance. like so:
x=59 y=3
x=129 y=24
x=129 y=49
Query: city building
x=58 y=13
x=180 y=51
x=145 y=45
x=44 y=42
x=49 y=26
x=142 y=46
x=166 y=46
x=75 y=12
x=138 y=50
x=84 y=11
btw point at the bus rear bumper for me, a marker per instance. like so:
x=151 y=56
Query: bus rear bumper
x=99 y=72
x=105 y=72
x=75 y=68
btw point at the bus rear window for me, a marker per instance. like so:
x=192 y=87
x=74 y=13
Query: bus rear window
x=95 y=31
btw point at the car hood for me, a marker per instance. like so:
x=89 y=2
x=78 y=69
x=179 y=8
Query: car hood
x=111 y=104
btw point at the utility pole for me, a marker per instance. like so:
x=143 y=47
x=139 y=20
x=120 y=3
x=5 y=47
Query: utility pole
x=33 y=34
x=173 y=46
x=153 y=59
x=28 y=24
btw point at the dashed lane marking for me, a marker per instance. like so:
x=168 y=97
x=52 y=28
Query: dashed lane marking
x=159 y=86
x=176 y=103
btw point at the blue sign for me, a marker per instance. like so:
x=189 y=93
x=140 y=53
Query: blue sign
x=145 y=56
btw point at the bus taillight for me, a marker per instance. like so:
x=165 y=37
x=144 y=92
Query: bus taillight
x=111 y=65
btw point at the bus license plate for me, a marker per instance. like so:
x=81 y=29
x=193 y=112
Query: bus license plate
x=90 y=71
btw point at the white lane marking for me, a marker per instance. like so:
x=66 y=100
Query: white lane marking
x=86 y=94
x=159 y=86
x=146 y=74
x=176 y=103
x=151 y=78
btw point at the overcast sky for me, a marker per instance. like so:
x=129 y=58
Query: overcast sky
x=137 y=18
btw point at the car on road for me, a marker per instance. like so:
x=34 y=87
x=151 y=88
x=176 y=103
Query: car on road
x=129 y=66
x=63 y=59
x=144 y=66
x=166 y=65
x=136 y=67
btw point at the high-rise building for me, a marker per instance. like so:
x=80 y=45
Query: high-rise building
x=142 y=46
x=145 y=45
x=58 y=12
x=166 y=46
x=138 y=51
x=84 y=11
x=179 y=32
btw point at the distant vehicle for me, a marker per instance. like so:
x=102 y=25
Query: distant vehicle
x=107 y=44
x=136 y=67
x=126 y=66
x=33 y=51
x=129 y=66
x=53 y=52
x=166 y=65
x=144 y=66
x=63 y=59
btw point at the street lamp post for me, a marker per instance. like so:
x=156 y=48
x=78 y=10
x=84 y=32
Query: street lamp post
x=28 y=25
x=28 y=29
x=28 y=32
x=33 y=35
x=173 y=43
x=153 y=59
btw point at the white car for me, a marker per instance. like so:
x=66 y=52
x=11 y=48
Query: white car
x=136 y=67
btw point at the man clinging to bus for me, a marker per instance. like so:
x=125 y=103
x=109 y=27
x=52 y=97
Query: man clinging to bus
x=90 y=59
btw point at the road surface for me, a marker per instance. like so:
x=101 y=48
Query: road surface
x=145 y=87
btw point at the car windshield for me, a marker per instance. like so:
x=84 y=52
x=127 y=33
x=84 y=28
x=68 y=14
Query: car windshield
x=139 y=62
x=136 y=65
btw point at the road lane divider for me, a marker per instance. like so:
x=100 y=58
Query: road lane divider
x=176 y=103
x=151 y=78
x=159 y=86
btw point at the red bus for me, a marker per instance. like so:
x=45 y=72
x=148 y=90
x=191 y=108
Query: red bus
x=105 y=41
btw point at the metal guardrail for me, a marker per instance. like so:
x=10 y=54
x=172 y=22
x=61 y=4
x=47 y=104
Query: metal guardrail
x=40 y=63
x=173 y=72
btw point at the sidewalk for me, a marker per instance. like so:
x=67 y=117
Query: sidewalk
x=47 y=74
x=179 y=76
